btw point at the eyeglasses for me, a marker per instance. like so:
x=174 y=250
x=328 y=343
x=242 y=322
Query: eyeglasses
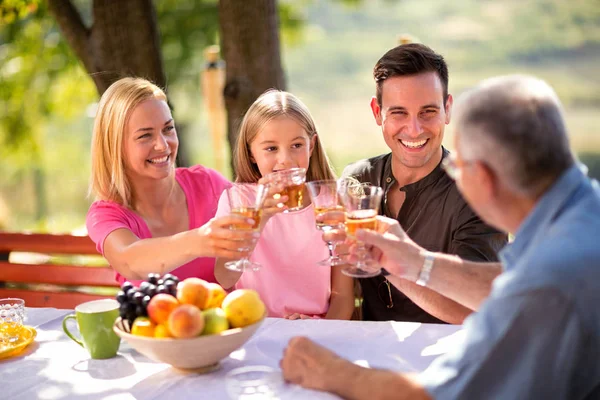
x=453 y=166
x=386 y=285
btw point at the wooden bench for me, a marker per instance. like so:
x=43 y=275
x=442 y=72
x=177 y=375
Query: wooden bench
x=60 y=283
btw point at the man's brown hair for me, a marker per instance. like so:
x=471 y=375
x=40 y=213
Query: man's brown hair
x=410 y=59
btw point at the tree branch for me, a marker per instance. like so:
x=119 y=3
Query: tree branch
x=72 y=27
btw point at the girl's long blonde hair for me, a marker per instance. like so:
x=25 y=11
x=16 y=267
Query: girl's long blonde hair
x=108 y=179
x=270 y=105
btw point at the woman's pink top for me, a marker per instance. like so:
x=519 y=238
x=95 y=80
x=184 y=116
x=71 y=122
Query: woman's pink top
x=202 y=187
x=290 y=281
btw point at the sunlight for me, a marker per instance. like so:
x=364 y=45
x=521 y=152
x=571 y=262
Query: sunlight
x=52 y=392
x=444 y=344
x=238 y=354
x=404 y=330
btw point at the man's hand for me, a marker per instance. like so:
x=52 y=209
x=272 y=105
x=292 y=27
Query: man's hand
x=309 y=364
x=393 y=249
x=314 y=367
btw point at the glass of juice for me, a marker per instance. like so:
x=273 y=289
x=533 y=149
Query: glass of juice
x=246 y=200
x=329 y=214
x=362 y=202
x=292 y=181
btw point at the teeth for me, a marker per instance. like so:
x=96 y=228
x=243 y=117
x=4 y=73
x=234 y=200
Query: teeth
x=414 y=145
x=159 y=160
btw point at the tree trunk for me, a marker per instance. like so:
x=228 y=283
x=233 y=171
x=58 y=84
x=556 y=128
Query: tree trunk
x=250 y=47
x=123 y=40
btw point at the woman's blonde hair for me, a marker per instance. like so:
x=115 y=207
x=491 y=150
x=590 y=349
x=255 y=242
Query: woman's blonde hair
x=270 y=105
x=108 y=179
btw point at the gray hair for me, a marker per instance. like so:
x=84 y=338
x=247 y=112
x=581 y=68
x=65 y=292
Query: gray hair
x=515 y=125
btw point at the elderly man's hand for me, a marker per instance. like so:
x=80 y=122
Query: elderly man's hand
x=308 y=364
x=392 y=247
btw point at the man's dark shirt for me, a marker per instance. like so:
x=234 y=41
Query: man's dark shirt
x=436 y=217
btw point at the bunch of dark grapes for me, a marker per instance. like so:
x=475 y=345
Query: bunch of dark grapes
x=134 y=300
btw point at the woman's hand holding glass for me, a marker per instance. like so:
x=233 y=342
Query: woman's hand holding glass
x=246 y=200
x=218 y=240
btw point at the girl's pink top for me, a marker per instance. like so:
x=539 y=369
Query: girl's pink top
x=290 y=281
x=202 y=187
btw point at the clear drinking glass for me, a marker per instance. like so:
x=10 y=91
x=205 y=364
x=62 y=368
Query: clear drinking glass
x=329 y=214
x=246 y=200
x=292 y=181
x=12 y=315
x=253 y=383
x=362 y=202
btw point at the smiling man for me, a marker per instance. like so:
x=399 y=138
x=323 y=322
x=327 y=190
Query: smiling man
x=536 y=333
x=412 y=106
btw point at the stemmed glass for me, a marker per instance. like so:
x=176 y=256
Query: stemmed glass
x=361 y=202
x=292 y=180
x=329 y=214
x=246 y=200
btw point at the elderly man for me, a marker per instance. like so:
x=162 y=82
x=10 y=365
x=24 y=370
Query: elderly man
x=536 y=335
x=412 y=106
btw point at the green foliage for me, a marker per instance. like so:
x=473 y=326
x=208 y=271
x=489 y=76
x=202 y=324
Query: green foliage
x=13 y=10
x=329 y=49
x=45 y=95
x=556 y=40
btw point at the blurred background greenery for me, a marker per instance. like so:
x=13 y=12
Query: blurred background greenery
x=329 y=47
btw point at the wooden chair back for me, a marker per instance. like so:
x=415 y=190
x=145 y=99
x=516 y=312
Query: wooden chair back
x=60 y=281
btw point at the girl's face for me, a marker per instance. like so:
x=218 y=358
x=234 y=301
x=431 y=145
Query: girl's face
x=281 y=144
x=150 y=141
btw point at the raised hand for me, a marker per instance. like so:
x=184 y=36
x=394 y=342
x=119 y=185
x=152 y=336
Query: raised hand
x=392 y=247
x=274 y=203
x=218 y=240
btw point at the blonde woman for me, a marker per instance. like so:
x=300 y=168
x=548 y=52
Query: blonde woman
x=149 y=216
x=278 y=133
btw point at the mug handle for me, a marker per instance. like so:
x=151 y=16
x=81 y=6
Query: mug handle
x=69 y=334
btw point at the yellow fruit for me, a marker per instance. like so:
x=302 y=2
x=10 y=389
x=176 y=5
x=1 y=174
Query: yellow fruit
x=215 y=321
x=243 y=307
x=162 y=331
x=143 y=326
x=216 y=295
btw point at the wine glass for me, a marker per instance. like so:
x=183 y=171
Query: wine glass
x=329 y=214
x=246 y=200
x=292 y=180
x=361 y=202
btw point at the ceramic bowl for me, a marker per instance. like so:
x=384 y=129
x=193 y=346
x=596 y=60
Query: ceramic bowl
x=198 y=353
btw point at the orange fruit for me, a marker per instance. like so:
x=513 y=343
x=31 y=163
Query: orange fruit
x=143 y=326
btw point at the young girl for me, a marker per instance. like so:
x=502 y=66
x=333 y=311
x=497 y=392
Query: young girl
x=278 y=133
x=151 y=217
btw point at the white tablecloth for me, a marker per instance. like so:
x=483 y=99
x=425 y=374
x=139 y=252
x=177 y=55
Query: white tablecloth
x=54 y=367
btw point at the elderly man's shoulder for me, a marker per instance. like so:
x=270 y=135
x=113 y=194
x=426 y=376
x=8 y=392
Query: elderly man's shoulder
x=567 y=256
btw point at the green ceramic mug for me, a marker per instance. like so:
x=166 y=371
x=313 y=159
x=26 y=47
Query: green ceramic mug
x=95 y=321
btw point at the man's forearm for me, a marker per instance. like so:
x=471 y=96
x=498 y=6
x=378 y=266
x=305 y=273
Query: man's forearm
x=350 y=381
x=434 y=303
x=466 y=282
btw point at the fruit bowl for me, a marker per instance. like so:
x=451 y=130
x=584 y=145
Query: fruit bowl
x=201 y=353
